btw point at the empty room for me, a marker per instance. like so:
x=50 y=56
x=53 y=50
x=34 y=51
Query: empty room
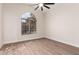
x=39 y=28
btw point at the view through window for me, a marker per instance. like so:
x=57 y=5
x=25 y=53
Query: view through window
x=28 y=23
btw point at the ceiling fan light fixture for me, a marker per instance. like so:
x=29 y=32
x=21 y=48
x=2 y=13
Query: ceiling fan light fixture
x=41 y=4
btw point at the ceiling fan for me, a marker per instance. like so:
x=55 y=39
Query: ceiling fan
x=41 y=5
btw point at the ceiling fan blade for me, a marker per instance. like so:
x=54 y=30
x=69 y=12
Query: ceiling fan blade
x=36 y=8
x=46 y=6
x=41 y=8
x=49 y=3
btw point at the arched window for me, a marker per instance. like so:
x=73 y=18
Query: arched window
x=28 y=23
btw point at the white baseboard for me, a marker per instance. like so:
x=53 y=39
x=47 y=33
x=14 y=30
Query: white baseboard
x=62 y=41
x=7 y=42
x=65 y=42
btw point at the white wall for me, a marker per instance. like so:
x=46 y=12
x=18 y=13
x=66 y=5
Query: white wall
x=62 y=23
x=12 y=22
x=1 y=25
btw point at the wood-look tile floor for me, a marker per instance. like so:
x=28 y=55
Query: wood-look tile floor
x=39 y=47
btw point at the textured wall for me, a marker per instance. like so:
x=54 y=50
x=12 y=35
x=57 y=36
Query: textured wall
x=12 y=22
x=62 y=23
x=1 y=25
